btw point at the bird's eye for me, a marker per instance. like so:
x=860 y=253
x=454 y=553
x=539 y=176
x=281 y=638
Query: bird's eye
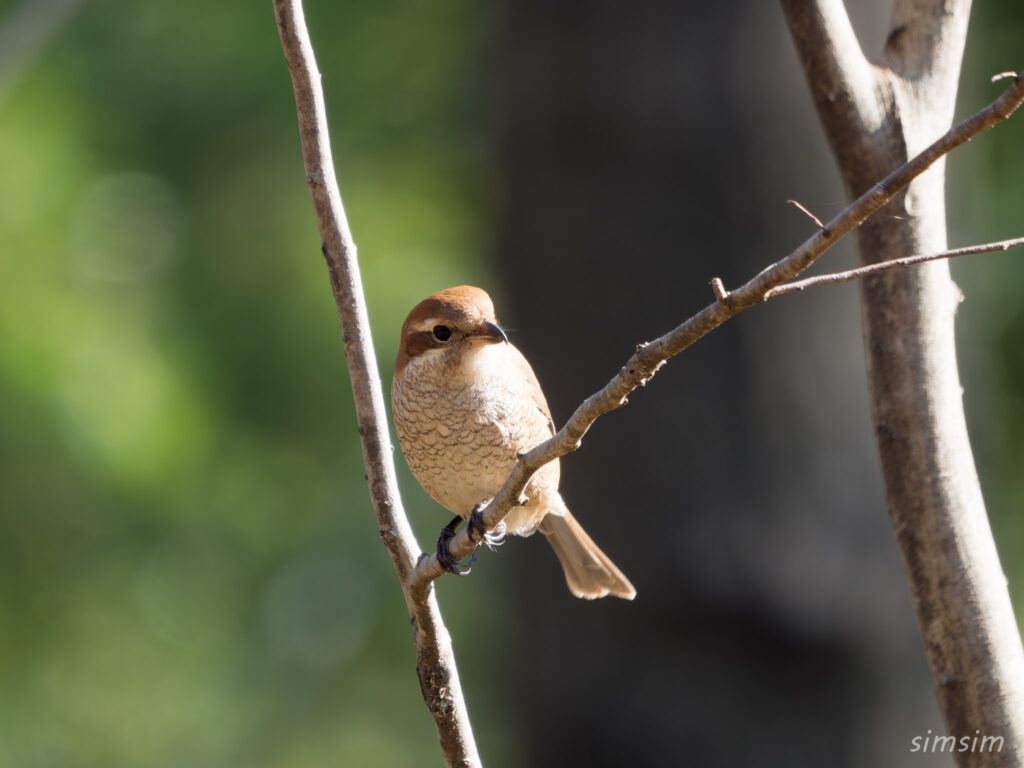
x=442 y=332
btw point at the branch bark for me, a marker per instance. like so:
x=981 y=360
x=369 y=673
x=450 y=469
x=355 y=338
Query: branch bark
x=842 y=81
x=435 y=660
x=935 y=501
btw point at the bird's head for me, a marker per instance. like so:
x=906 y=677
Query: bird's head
x=447 y=325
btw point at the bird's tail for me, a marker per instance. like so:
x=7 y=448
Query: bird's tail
x=589 y=572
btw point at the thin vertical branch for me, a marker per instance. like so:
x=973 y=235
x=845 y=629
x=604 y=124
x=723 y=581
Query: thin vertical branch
x=435 y=661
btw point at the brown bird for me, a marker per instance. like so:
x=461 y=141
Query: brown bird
x=465 y=404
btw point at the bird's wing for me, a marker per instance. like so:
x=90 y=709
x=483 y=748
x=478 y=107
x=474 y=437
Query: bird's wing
x=531 y=391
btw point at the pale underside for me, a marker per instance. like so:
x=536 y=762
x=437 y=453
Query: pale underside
x=462 y=440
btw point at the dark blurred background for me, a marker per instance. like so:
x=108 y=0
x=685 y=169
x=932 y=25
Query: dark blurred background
x=189 y=567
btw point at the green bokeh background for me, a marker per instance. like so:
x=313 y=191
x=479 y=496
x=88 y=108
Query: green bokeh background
x=188 y=566
x=985 y=199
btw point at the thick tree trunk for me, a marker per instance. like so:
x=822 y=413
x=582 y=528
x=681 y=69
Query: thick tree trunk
x=662 y=139
x=875 y=118
x=956 y=581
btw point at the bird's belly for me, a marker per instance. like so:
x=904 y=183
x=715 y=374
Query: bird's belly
x=459 y=449
x=459 y=475
x=462 y=448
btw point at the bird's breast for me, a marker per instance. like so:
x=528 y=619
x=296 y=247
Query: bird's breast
x=461 y=436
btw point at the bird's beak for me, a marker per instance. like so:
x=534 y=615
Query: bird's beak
x=489 y=333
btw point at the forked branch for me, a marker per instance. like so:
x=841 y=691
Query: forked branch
x=884 y=266
x=649 y=357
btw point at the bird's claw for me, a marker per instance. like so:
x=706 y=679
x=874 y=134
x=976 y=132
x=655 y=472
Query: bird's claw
x=478 y=533
x=444 y=555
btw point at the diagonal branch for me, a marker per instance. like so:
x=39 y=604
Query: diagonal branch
x=435 y=661
x=651 y=356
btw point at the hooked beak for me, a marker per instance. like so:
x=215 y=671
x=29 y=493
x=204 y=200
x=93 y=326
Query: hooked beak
x=489 y=333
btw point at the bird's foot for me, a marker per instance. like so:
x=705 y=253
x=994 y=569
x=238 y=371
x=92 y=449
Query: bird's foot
x=478 y=532
x=444 y=555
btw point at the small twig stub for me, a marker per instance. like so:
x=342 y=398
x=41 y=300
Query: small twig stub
x=811 y=216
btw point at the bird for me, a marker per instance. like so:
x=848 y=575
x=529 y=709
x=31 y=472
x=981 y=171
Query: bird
x=466 y=404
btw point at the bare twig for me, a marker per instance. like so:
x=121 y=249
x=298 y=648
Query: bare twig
x=718 y=288
x=650 y=357
x=807 y=213
x=435 y=662
x=873 y=269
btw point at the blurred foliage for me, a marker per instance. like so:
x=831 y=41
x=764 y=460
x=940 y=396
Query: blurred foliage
x=184 y=572
x=189 y=572
x=985 y=199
